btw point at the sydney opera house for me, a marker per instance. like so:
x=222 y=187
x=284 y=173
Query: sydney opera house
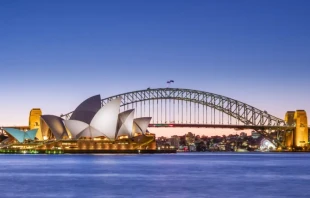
x=92 y=128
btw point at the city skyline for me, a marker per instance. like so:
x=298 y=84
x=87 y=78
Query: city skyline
x=55 y=55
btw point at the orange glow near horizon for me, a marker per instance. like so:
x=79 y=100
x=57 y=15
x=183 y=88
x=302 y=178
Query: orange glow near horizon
x=168 y=132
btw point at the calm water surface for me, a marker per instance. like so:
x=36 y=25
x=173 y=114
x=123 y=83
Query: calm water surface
x=255 y=175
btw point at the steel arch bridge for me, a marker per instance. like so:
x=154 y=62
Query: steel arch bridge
x=193 y=108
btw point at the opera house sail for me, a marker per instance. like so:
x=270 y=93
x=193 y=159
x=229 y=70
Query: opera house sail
x=55 y=127
x=87 y=109
x=21 y=136
x=125 y=123
x=140 y=125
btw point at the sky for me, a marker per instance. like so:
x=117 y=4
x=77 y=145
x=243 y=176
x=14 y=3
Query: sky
x=55 y=54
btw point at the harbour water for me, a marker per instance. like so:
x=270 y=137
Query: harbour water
x=240 y=175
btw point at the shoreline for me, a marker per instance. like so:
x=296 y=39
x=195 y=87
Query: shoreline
x=49 y=152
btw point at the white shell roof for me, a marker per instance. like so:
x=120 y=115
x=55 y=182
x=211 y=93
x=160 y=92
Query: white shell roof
x=106 y=118
x=141 y=124
x=125 y=123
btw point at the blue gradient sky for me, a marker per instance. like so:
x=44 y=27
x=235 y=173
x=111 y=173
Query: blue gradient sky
x=54 y=54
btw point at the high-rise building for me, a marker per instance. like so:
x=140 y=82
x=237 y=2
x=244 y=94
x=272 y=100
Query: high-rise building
x=175 y=141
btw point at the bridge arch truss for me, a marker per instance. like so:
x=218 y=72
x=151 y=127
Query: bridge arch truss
x=187 y=106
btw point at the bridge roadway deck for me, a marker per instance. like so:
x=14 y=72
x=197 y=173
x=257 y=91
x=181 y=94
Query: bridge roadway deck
x=16 y=127
x=236 y=127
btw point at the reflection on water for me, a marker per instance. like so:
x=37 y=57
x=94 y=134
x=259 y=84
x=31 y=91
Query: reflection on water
x=254 y=175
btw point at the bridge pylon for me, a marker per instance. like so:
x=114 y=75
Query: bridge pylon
x=298 y=137
x=301 y=132
x=34 y=121
x=289 y=134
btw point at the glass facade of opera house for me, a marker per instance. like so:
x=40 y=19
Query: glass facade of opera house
x=91 y=128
